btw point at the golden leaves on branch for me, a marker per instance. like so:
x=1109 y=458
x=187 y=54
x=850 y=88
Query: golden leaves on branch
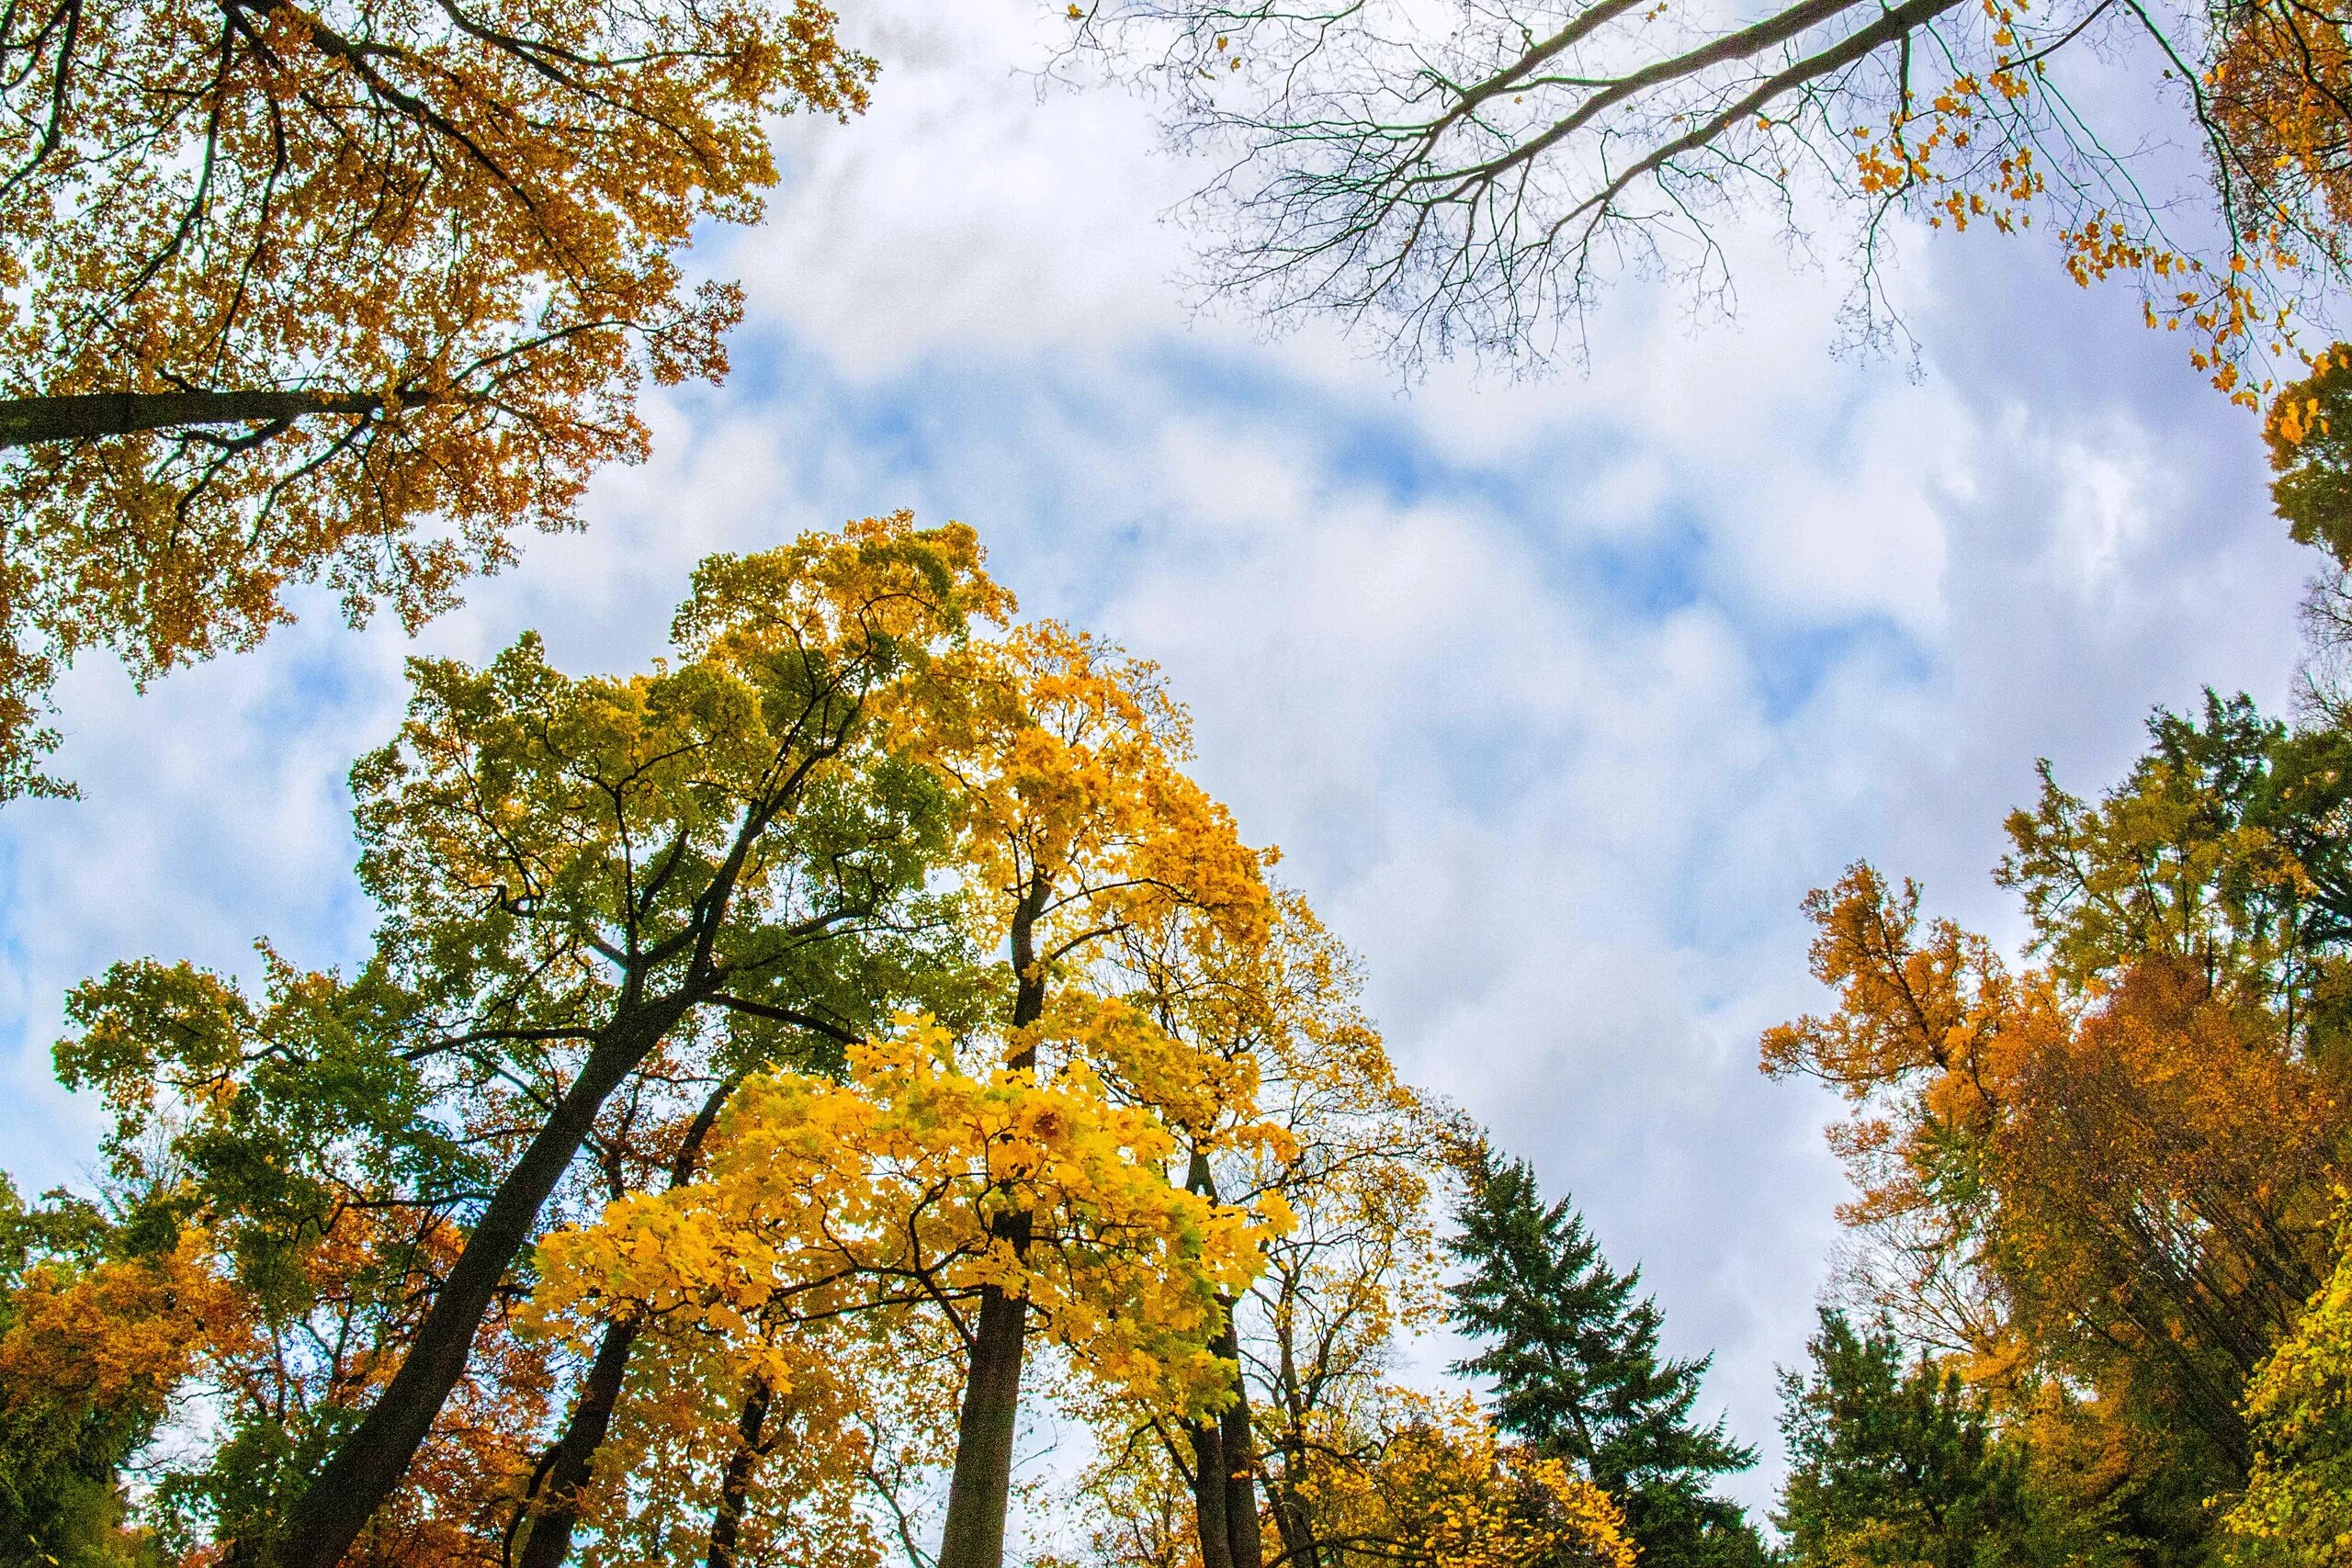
x=299 y=292
x=877 y=1196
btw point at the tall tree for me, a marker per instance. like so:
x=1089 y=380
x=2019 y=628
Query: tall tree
x=280 y=283
x=602 y=896
x=1577 y=1370
x=1080 y=827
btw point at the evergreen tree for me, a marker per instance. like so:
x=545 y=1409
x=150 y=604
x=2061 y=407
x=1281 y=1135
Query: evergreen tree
x=1573 y=1355
x=1894 y=1461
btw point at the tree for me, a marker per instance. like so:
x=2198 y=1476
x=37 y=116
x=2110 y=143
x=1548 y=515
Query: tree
x=1079 y=829
x=2296 y=1507
x=2102 y=1186
x=92 y=1348
x=605 y=899
x=292 y=291
x=1574 y=1364
x=1895 y=1459
x=1465 y=176
x=834 y=1212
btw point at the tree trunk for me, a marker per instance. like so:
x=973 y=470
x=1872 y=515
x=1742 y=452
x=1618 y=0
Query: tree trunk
x=557 y=1511
x=552 y=1508
x=88 y=416
x=368 y=1463
x=1229 y=1486
x=982 y=1483
x=980 y=1486
x=1240 y=1453
x=1208 y=1494
x=735 y=1487
x=1299 y=1547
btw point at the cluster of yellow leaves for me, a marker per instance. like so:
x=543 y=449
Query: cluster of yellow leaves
x=1077 y=817
x=880 y=1194
x=2297 y=1510
x=1440 y=1489
x=538 y=789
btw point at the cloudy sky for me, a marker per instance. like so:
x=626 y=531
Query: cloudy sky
x=1557 y=695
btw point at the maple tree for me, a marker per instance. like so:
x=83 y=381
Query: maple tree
x=1467 y=177
x=1339 y=1150
x=1079 y=830
x=91 y=1350
x=604 y=898
x=347 y=292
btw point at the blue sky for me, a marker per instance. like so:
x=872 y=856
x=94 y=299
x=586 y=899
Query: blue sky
x=1558 y=694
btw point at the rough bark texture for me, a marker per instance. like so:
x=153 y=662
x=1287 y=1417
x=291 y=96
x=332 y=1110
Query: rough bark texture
x=977 y=1495
x=1240 y=1453
x=735 y=1487
x=91 y=415
x=1209 y=1495
x=1224 y=1482
x=556 y=1513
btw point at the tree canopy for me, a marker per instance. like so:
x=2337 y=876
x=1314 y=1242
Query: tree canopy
x=345 y=293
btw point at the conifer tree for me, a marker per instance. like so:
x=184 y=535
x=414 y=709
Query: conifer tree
x=1902 y=1456
x=1573 y=1354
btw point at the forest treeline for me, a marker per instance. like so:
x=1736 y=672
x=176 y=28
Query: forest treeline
x=776 y=1072
x=781 y=1077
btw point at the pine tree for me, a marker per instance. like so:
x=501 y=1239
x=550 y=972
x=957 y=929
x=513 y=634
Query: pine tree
x=1573 y=1355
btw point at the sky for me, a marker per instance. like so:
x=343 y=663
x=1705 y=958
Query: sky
x=1558 y=694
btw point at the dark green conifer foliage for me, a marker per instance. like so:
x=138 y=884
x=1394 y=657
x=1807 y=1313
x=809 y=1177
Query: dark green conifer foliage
x=1573 y=1354
x=1894 y=1453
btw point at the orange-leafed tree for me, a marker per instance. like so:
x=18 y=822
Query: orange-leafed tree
x=2108 y=1203
x=296 y=291
x=95 y=1340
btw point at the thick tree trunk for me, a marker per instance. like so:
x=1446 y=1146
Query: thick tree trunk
x=1209 y=1496
x=88 y=416
x=1240 y=1453
x=735 y=1487
x=978 y=1491
x=363 y=1471
x=557 y=1512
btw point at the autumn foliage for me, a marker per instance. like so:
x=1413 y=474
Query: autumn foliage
x=776 y=1074
x=2098 y=1192
x=345 y=293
